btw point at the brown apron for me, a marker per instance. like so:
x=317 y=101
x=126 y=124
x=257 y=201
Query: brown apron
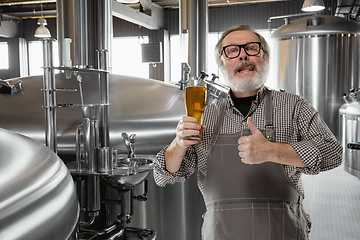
x=250 y=202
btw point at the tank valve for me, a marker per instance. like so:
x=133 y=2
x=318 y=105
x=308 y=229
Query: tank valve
x=203 y=75
x=7 y=88
x=185 y=72
x=214 y=77
x=129 y=143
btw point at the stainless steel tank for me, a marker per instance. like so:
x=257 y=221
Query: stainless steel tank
x=148 y=108
x=317 y=57
x=38 y=200
x=349 y=115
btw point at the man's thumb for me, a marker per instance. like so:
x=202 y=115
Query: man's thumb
x=254 y=130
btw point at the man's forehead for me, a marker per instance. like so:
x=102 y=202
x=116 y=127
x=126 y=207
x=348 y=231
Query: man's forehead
x=241 y=35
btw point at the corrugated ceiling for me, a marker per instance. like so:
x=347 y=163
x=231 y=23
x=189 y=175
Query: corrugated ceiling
x=31 y=8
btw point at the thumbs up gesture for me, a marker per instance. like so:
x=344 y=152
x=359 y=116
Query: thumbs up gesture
x=254 y=149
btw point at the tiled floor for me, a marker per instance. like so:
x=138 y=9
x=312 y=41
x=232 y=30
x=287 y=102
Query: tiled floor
x=333 y=202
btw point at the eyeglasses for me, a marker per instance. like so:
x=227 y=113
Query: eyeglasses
x=233 y=51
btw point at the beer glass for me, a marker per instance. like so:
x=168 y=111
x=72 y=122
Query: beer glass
x=195 y=101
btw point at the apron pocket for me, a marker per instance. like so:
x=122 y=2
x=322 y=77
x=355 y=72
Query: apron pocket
x=226 y=225
x=254 y=221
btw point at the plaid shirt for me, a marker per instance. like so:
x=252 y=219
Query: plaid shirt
x=295 y=121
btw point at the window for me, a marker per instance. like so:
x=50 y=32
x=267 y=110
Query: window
x=126 y=57
x=4 y=60
x=175 y=59
x=36 y=57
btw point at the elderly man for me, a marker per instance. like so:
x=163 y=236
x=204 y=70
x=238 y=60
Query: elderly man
x=255 y=145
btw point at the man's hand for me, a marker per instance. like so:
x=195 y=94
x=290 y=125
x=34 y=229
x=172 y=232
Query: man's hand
x=175 y=153
x=187 y=127
x=254 y=149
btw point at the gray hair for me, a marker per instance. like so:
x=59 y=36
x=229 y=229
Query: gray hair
x=218 y=47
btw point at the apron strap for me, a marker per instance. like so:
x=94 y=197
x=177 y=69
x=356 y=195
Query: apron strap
x=269 y=127
x=219 y=122
x=268 y=108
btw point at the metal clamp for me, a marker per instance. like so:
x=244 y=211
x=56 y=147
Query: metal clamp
x=270 y=133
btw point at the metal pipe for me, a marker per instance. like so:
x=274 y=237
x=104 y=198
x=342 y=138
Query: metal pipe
x=103 y=33
x=286 y=18
x=49 y=96
x=103 y=49
x=189 y=13
x=93 y=195
x=104 y=99
x=193 y=26
x=73 y=23
x=203 y=35
x=78 y=147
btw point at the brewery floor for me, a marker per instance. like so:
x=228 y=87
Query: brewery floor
x=333 y=202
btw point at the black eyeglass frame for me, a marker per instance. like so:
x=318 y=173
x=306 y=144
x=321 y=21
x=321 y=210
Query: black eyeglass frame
x=240 y=47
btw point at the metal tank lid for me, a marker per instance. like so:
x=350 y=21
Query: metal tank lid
x=353 y=109
x=342 y=109
x=316 y=25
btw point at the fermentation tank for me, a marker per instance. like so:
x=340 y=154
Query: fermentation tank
x=148 y=108
x=51 y=109
x=317 y=57
x=38 y=200
x=135 y=107
x=349 y=124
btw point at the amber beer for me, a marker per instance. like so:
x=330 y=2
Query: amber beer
x=195 y=100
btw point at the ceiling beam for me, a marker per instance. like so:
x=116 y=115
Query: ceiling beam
x=153 y=22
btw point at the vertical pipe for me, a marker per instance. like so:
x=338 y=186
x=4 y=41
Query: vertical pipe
x=104 y=99
x=93 y=195
x=189 y=12
x=74 y=22
x=49 y=96
x=203 y=35
x=193 y=26
x=60 y=17
x=90 y=134
x=104 y=30
x=103 y=48
x=79 y=20
x=183 y=15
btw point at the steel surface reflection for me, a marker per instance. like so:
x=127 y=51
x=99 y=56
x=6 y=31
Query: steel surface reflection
x=37 y=195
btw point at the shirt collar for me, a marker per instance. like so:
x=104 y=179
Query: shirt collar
x=259 y=97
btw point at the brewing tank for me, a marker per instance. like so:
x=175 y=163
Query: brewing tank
x=317 y=57
x=38 y=200
x=148 y=108
x=349 y=124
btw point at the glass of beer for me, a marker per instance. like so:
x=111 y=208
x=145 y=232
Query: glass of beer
x=195 y=101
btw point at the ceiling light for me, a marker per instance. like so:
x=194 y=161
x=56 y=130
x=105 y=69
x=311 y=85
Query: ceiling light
x=128 y=1
x=313 y=5
x=42 y=31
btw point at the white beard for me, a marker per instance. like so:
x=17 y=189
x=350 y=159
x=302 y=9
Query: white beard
x=249 y=85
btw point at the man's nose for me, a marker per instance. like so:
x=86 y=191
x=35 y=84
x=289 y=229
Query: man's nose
x=243 y=55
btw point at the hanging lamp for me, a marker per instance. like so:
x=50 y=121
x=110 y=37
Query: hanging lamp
x=42 y=31
x=313 y=5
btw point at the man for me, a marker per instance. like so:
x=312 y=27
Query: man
x=255 y=145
